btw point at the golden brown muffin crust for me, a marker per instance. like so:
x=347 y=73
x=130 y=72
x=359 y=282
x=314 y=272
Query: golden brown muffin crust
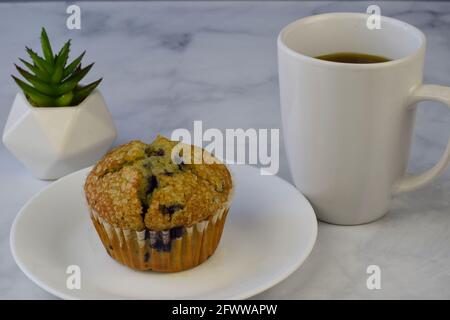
x=137 y=186
x=120 y=156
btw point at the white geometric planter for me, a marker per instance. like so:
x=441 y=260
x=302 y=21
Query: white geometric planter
x=52 y=142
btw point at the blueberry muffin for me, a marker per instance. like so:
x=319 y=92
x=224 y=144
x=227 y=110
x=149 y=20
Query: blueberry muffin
x=156 y=211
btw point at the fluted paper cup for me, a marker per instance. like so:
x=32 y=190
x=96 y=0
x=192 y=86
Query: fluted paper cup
x=172 y=250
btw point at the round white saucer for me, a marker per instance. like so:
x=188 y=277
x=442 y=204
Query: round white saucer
x=270 y=230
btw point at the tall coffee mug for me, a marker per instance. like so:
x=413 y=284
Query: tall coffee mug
x=348 y=127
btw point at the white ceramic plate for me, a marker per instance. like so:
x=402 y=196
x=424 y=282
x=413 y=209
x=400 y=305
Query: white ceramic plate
x=270 y=230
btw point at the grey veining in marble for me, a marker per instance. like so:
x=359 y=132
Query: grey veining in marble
x=167 y=64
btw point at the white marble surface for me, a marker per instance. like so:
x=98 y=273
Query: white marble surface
x=167 y=64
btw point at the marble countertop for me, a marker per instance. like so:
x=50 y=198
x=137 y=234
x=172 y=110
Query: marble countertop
x=216 y=61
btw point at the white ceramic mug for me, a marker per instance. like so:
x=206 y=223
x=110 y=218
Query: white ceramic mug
x=348 y=127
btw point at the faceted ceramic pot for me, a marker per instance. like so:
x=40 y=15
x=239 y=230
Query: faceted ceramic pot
x=52 y=142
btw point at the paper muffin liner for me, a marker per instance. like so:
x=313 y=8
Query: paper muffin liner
x=172 y=250
x=176 y=249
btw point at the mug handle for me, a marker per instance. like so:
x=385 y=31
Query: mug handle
x=426 y=92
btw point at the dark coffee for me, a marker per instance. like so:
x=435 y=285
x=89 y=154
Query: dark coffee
x=352 y=57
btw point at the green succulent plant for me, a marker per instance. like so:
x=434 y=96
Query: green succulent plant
x=52 y=82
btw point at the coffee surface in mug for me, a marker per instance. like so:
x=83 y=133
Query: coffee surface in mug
x=352 y=57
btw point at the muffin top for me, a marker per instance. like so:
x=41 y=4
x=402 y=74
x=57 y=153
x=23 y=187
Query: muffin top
x=137 y=185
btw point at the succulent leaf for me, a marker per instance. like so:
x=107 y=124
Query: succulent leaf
x=81 y=93
x=65 y=99
x=57 y=75
x=43 y=65
x=42 y=75
x=36 y=82
x=73 y=65
x=63 y=54
x=39 y=99
x=46 y=47
x=60 y=61
x=72 y=81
